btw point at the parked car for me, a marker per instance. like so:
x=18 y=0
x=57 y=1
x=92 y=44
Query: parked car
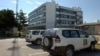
x=34 y=36
x=64 y=41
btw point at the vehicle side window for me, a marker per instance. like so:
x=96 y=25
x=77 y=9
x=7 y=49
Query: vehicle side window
x=74 y=33
x=42 y=32
x=35 y=32
x=66 y=33
x=82 y=34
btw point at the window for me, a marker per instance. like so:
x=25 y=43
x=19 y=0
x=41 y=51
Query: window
x=63 y=22
x=57 y=9
x=66 y=33
x=91 y=28
x=83 y=34
x=72 y=17
x=63 y=16
x=74 y=33
x=72 y=22
x=35 y=32
x=42 y=32
x=65 y=10
x=67 y=16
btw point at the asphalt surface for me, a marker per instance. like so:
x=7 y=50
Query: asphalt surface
x=18 y=47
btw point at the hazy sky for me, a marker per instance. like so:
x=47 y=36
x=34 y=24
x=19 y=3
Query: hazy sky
x=90 y=8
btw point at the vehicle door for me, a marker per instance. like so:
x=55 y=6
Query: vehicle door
x=84 y=38
x=28 y=34
x=41 y=34
x=77 y=41
x=35 y=34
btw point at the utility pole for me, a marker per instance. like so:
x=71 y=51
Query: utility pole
x=16 y=9
x=53 y=0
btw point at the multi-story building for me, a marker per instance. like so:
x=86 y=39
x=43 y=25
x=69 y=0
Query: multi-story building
x=52 y=15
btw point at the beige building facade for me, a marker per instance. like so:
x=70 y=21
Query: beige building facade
x=90 y=28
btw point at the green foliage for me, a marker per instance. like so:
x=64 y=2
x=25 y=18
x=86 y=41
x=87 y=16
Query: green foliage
x=7 y=19
x=22 y=19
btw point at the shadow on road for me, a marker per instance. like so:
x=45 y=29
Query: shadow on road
x=15 y=48
x=2 y=38
x=34 y=46
x=88 y=53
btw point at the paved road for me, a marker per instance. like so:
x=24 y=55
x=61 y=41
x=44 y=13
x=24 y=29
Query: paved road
x=18 y=47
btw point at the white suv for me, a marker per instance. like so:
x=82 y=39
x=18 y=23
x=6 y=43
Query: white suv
x=34 y=36
x=64 y=41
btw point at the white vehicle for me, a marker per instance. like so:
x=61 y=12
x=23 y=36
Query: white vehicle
x=34 y=36
x=64 y=41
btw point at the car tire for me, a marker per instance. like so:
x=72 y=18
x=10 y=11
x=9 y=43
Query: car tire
x=69 y=51
x=48 y=42
x=92 y=47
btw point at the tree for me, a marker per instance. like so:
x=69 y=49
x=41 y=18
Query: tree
x=22 y=19
x=7 y=19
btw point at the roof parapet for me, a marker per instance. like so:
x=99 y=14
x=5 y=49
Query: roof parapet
x=77 y=8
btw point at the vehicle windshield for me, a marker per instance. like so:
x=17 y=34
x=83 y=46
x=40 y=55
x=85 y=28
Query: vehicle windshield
x=35 y=32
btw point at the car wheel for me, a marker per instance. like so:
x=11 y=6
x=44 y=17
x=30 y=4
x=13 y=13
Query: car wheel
x=47 y=42
x=69 y=52
x=38 y=42
x=92 y=47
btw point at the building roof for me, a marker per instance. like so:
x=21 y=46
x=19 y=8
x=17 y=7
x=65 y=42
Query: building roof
x=95 y=23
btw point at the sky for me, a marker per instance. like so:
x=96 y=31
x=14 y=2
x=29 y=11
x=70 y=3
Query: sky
x=90 y=8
